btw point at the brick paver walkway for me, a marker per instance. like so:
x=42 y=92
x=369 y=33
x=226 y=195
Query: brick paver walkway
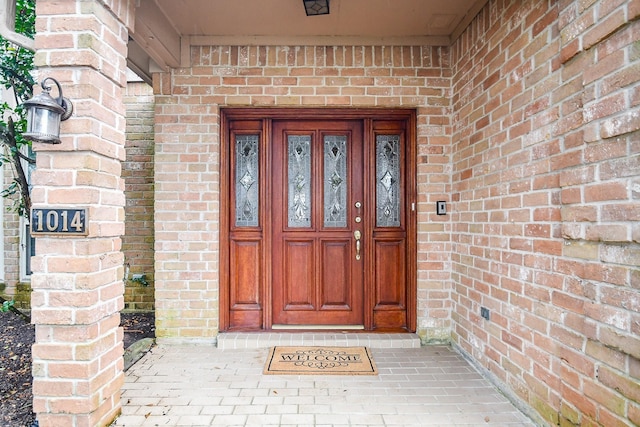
x=209 y=386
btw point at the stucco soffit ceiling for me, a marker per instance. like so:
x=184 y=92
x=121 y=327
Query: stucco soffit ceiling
x=165 y=29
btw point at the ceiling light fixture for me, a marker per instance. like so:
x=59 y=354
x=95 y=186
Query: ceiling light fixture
x=316 y=7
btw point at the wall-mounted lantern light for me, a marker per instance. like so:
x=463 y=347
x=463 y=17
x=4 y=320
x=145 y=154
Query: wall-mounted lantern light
x=45 y=113
x=316 y=7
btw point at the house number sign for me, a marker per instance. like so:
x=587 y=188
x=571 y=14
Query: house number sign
x=59 y=221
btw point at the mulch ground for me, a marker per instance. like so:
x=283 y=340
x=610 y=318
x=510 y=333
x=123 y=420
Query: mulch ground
x=15 y=362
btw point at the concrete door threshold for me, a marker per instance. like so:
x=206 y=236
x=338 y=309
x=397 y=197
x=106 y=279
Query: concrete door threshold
x=246 y=340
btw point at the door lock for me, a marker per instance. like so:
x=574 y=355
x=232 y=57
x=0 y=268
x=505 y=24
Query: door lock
x=358 y=218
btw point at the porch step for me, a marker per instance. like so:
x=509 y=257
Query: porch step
x=246 y=340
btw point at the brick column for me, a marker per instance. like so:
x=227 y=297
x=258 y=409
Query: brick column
x=77 y=281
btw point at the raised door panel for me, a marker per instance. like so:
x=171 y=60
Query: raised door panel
x=246 y=277
x=299 y=278
x=336 y=272
x=390 y=274
x=390 y=309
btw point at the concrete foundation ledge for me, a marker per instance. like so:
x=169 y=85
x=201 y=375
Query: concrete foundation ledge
x=205 y=342
x=247 y=340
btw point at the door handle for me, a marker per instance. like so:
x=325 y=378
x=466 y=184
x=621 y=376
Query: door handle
x=357 y=235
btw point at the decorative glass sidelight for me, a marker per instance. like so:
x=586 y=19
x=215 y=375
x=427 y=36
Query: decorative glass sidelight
x=299 y=168
x=335 y=181
x=247 y=184
x=387 y=180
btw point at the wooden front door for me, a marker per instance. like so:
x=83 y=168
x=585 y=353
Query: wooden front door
x=319 y=225
x=317 y=229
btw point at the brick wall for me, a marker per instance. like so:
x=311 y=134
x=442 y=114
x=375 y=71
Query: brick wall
x=528 y=124
x=11 y=286
x=546 y=161
x=137 y=243
x=137 y=172
x=77 y=281
x=11 y=240
x=187 y=157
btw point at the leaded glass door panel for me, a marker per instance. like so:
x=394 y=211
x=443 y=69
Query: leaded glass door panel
x=317 y=180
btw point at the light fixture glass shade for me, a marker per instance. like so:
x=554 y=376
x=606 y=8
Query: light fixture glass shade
x=45 y=113
x=43 y=119
x=316 y=7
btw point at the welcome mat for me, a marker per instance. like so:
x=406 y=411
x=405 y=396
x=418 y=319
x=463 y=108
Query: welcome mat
x=320 y=361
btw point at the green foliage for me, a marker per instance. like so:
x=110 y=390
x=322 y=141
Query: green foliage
x=26 y=17
x=6 y=306
x=16 y=63
x=16 y=66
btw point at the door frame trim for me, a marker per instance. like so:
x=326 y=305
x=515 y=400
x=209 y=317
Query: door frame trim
x=267 y=115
